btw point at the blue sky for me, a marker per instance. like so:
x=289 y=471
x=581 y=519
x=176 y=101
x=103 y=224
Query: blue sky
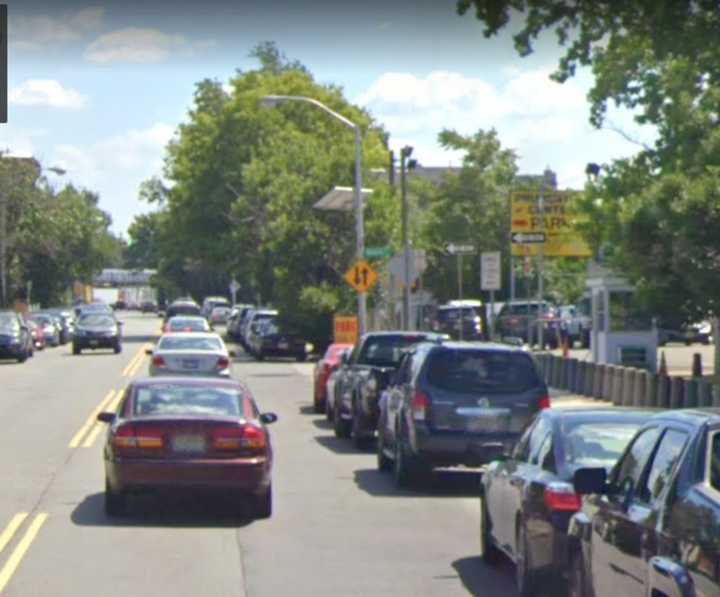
x=99 y=88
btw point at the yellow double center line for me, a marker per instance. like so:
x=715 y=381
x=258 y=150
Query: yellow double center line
x=134 y=365
x=91 y=427
x=12 y=563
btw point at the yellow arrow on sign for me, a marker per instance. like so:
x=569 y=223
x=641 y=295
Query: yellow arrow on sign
x=361 y=276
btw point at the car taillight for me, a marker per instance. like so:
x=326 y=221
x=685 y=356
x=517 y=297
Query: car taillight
x=544 y=402
x=158 y=362
x=419 y=406
x=129 y=437
x=254 y=438
x=223 y=363
x=561 y=497
x=248 y=437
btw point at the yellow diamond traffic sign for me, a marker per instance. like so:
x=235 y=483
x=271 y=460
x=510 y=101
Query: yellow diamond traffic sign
x=361 y=276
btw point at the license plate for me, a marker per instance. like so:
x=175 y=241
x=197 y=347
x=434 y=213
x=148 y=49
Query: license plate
x=190 y=364
x=94 y=342
x=283 y=346
x=188 y=444
x=486 y=420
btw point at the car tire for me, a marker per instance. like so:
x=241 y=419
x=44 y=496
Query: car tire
x=406 y=469
x=361 y=441
x=489 y=551
x=318 y=405
x=524 y=577
x=384 y=464
x=340 y=425
x=76 y=349
x=264 y=504
x=22 y=357
x=117 y=348
x=328 y=411
x=576 y=574
x=115 y=501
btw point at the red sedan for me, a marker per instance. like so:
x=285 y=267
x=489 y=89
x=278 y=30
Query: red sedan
x=323 y=368
x=37 y=334
x=188 y=434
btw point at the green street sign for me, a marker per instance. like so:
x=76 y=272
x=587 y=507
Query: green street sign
x=377 y=252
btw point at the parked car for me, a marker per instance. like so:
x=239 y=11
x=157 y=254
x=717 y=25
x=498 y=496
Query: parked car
x=36 y=332
x=363 y=378
x=528 y=499
x=149 y=306
x=182 y=307
x=252 y=327
x=463 y=320
x=49 y=326
x=344 y=359
x=186 y=323
x=188 y=434
x=519 y=319
x=66 y=320
x=278 y=339
x=97 y=330
x=211 y=302
x=456 y=403
x=235 y=320
x=652 y=525
x=190 y=354
x=329 y=362
x=688 y=333
x=15 y=337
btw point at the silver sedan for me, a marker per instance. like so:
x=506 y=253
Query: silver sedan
x=190 y=354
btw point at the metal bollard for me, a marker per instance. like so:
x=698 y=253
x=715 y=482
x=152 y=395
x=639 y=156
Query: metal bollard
x=690 y=393
x=677 y=386
x=628 y=386
x=651 y=390
x=705 y=397
x=617 y=386
x=598 y=382
x=638 y=397
x=716 y=395
x=580 y=372
x=589 y=379
x=663 y=393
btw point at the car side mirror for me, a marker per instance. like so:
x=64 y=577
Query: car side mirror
x=148 y=351
x=268 y=418
x=590 y=480
x=106 y=417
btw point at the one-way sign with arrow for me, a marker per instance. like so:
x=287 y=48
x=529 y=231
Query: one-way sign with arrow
x=526 y=238
x=454 y=249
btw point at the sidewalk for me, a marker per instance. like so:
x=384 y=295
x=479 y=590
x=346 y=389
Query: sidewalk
x=565 y=399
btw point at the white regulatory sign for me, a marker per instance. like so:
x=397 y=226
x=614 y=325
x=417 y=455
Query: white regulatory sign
x=490 y=271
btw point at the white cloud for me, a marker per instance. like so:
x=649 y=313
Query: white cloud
x=140 y=46
x=36 y=32
x=46 y=92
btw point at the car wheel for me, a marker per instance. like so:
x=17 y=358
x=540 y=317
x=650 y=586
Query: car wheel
x=406 y=469
x=340 y=425
x=263 y=504
x=115 y=501
x=76 y=349
x=490 y=553
x=523 y=571
x=361 y=440
x=384 y=464
x=117 y=348
x=318 y=405
x=22 y=357
x=576 y=575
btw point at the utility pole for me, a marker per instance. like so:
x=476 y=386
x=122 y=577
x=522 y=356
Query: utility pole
x=541 y=265
x=405 y=153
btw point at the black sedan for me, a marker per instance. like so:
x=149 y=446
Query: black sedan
x=15 y=337
x=277 y=340
x=652 y=526
x=528 y=499
x=97 y=330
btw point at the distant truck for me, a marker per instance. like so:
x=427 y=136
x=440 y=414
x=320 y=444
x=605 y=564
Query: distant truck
x=109 y=296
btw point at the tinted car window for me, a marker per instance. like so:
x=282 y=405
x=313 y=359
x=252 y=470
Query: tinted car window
x=538 y=435
x=386 y=351
x=97 y=320
x=196 y=325
x=183 y=310
x=449 y=315
x=715 y=462
x=522 y=449
x=596 y=444
x=666 y=456
x=546 y=454
x=170 y=343
x=481 y=370
x=631 y=467
x=176 y=400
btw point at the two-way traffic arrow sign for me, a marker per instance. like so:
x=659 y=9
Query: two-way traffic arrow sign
x=526 y=238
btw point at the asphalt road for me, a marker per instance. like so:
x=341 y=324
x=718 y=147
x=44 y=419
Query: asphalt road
x=339 y=526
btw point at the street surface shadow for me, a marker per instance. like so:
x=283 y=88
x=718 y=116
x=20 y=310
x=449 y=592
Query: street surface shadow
x=481 y=579
x=336 y=445
x=307 y=409
x=322 y=423
x=140 y=339
x=442 y=483
x=152 y=511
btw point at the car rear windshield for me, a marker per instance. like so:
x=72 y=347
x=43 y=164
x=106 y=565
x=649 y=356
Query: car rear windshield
x=170 y=343
x=385 y=351
x=97 y=319
x=196 y=325
x=184 y=309
x=153 y=401
x=468 y=314
x=596 y=444
x=481 y=370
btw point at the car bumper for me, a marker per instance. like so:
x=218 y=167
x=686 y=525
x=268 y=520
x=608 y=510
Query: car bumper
x=225 y=373
x=106 y=342
x=10 y=351
x=461 y=448
x=242 y=474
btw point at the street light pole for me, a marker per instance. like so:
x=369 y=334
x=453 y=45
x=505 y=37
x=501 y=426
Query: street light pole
x=404 y=154
x=271 y=101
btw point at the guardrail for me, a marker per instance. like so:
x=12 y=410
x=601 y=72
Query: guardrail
x=626 y=386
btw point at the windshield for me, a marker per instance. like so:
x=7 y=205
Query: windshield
x=596 y=444
x=195 y=325
x=190 y=343
x=386 y=351
x=184 y=309
x=96 y=320
x=8 y=322
x=481 y=370
x=186 y=401
x=450 y=315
